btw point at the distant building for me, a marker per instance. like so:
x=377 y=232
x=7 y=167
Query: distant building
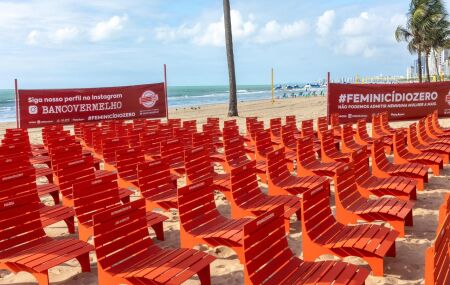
x=410 y=73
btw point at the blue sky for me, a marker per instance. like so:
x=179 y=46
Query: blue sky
x=68 y=43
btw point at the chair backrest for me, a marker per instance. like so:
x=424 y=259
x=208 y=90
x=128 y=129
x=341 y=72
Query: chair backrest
x=384 y=120
x=327 y=142
x=196 y=205
x=263 y=144
x=308 y=128
x=347 y=135
x=421 y=129
x=287 y=137
x=64 y=153
x=264 y=237
x=172 y=151
x=191 y=126
x=174 y=123
x=316 y=212
x=133 y=135
x=360 y=160
x=152 y=125
x=127 y=162
x=249 y=121
x=377 y=130
x=110 y=146
x=400 y=147
x=13 y=163
x=244 y=184
x=213 y=131
x=198 y=164
x=413 y=139
x=154 y=178
x=322 y=125
x=361 y=130
x=203 y=139
x=277 y=165
x=334 y=121
x=291 y=120
x=437 y=260
x=275 y=128
x=165 y=131
x=345 y=186
x=234 y=148
x=68 y=173
x=121 y=232
x=213 y=121
x=150 y=142
x=305 y=150
x=378 y=154
x=94 y=195
x=229 y=123
x=20 y=223
x=17 y=182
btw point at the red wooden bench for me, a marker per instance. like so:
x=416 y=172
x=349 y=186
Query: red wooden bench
x=308 y=164
x=415 y=146
x=379 y=133
x=157 y=185
x=426 y=138
x=97 y=194
x=201 y=222
x=322 y=234
x=403 y=155
x=200 y=167
x=172 y=152
x=24 y=246
x=361 y=135
x=348 y=143
x=23 y=182
x=437 y=257
x=127 y=255
x=329 y=152
x=351 y=206
x=381 y=167
x=282 y=182
x=269 y=260
x=368 y=184
x=249 y=122
x=249 y=200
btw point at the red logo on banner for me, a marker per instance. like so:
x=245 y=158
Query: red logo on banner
x=148 y=99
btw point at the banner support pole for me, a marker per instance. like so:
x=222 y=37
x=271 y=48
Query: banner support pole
x=165 y=90
x=328 y=96
x=16 y=90
x=273 y=87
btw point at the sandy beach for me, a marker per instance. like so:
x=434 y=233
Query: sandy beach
x=406 y=268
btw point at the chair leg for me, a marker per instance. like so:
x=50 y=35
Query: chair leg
x=55 y=196
x=84 y=262
x=41 y=277
x=125 y=200
x=205 y=276
x=399 y=226
x=159 y=230
x=70 y=222
x=376 y=264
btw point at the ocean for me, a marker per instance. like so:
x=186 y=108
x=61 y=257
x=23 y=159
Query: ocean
x=179 y=97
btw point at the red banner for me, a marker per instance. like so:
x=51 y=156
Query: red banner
x=38 y=108
x=402 y=101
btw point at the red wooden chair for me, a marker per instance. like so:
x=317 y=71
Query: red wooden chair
x=415 y=146
x=382 y=168
x=229 y=123
x=403 y=155
x=351 y=206
x=397 y=186
x=205 y=140
x=292 y=121
x=230 y=133
x=213 y=130
x=329 y=152
x=437 y=257
x=254 y=128
x=172 y=152
x=200 y=167
x=425 y=138
x=127 y=255
x=109 y=147
x=184 y=135
x=151 y=144
x=335 y=125
x=384 y=120
x=191 y=126
x=269 y=260
x=444 y=209
x=379 y=133
x=97 y=194
x=322 y=234
x=165 y=131
x=157 y=186
x=436 y=126
x=249 y=122
x=308 y=131
x=288 y=140
x=361 y=135
x=264 y=146
x=275 y=130
x=282 y=182
x=127 y=161
x=322 y=126
x=431 y=130
x=201 y=222
x=248 y=200
x=348 y=143
x=309 y=165
x=22 y=182
x=24 y=246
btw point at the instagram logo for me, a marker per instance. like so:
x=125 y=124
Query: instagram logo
x=33 y=110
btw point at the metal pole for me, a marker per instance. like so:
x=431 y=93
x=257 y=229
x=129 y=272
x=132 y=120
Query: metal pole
x=273 y=86
x=165 y=90
x=17 y=101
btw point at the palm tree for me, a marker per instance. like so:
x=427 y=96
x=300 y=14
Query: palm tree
x=232 y=108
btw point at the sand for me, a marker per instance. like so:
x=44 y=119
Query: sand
x=406 y=268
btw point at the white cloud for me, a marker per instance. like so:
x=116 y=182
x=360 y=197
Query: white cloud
x=104 y=30
x=274 y=31
x=32 y=38
x=65 y=34
x=325 y=23
x=244 y=28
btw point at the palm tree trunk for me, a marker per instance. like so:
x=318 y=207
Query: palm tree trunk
x=419 y=63
x=427 y=65
x=232 y=108
x=438 y=76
